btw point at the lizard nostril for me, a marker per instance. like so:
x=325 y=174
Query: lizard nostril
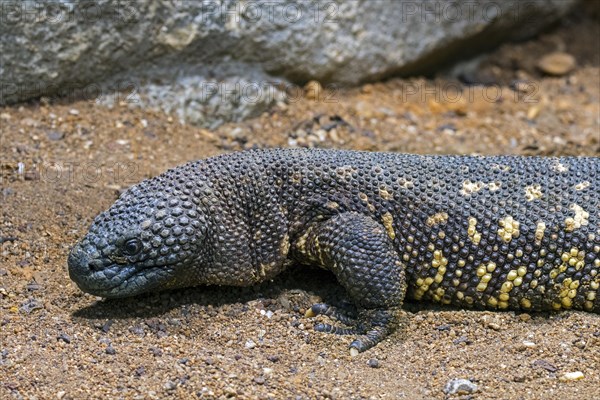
x=94 y=265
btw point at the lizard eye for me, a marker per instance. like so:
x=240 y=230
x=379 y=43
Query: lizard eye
x=132 y=247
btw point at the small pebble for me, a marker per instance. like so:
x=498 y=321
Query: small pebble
x=137 y=330
x=313 y=90
x=64 y=337
x=170 y=385
x=74 y=111
x=545 y=365
x=54 y=135
x=373 y=363
x=572 y=376
x=525 y=317
x=156 y=351
x=110 y=350
x=260 y=380
x=460 y=387
x=250 y=344
x=557 y=63
x=106 y=327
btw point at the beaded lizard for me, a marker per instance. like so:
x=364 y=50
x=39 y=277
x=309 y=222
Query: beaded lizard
x=501 y=232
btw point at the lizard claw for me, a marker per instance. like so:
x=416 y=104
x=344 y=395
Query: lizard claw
x=346 y=317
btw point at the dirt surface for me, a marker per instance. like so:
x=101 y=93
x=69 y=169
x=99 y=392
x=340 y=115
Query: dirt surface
x=211 y=342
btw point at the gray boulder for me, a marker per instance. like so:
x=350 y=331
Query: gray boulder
x=186 y=56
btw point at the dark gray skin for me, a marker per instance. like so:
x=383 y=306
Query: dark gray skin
x=480 y=232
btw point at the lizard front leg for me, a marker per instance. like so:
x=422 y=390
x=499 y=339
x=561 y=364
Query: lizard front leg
x=357 y=249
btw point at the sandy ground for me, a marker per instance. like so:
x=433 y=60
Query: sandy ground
x=211 y=342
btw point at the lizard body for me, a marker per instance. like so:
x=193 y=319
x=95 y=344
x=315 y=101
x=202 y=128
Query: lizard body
x=505 y=232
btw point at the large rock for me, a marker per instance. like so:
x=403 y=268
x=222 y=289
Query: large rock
x=186 y=56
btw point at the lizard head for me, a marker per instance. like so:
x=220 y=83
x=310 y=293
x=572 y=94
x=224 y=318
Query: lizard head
x=146 y=240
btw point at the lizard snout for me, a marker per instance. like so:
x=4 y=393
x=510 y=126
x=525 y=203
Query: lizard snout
x=79 y=263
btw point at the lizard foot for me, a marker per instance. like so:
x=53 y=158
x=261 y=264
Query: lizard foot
x=346 y=316
x=371 y=325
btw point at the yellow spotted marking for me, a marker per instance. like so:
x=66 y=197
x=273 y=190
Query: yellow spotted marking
x=506 y=287
x=468 y=187
x=319 y=252
x=365 y=199
x=518 y=281
x=296 y=177
x=493 y=186
x=440 y=263
x=567 y=292
x=559 y=167
x=385 y=194
x=578 y=220
x=472 y=231
x=301 y=242
x=438 y=218
x=574 y=258
x=533 y=192
x=388 y=223
x=437 y=295
x=540 y=228
x=284 y=248
x=346 y=171
x=332 y=205
x=533 y=284
x=582 y=185
x=484 y=272
x=590 y=296
x=500 y=167
x=405 y=183
x=509 y=228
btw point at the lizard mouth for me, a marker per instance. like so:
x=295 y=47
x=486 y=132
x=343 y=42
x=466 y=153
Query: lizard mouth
x=113 y=280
